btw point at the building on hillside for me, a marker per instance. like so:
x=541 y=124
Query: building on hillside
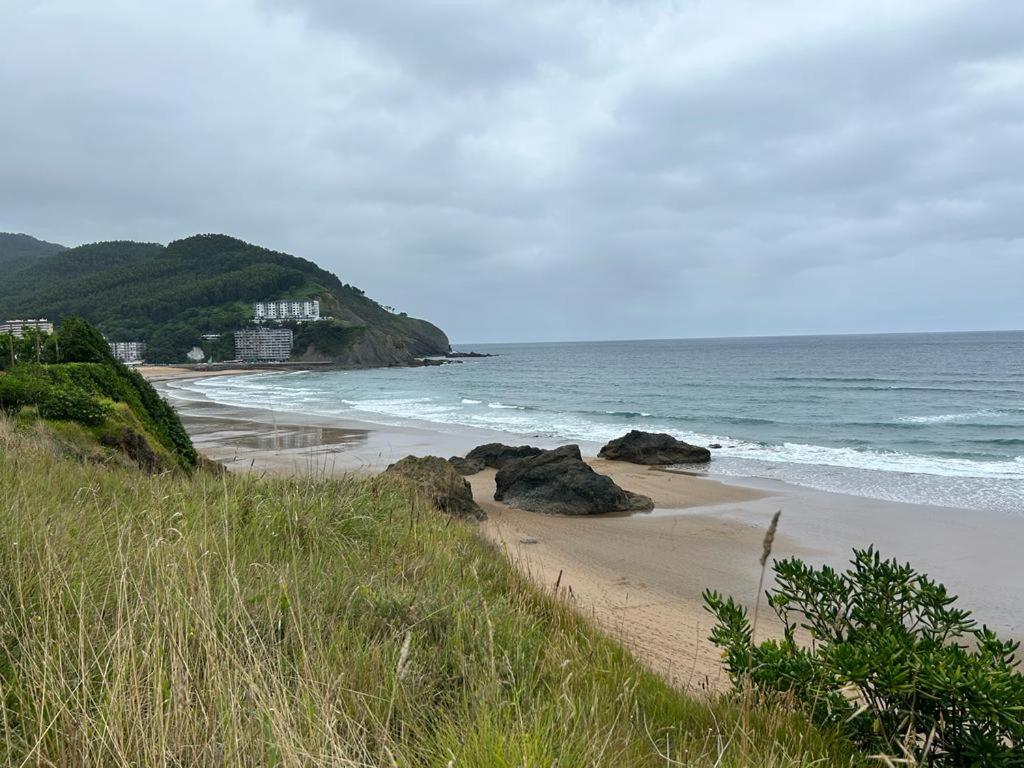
x=297 y=310
x=128 y=352
x=254 y=345
x=18 y=327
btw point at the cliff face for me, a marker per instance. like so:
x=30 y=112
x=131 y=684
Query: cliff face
x=373 y=348
x=172 y=296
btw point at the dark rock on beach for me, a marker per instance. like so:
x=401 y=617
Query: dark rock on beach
x=466 y=466
x=469 y=354
x=653 y=448
x=559 y=482
x=497 y=455
x=437 y=480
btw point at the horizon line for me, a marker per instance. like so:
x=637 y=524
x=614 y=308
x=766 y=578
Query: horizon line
x=751 y=336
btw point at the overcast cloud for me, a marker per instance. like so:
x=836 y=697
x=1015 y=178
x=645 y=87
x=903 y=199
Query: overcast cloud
x=548 y=170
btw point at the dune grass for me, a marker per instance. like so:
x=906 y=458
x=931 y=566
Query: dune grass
x=167 y=620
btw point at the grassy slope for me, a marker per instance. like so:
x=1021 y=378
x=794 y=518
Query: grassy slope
x=170 y=296
x=152 y=620
x=128 y=399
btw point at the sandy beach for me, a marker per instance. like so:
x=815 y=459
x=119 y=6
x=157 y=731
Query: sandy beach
x=155 y=373
x=641 y=576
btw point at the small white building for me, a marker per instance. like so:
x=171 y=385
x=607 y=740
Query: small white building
x=255 y=345
x=18 y=327
x=297 y=310
x=129 y=352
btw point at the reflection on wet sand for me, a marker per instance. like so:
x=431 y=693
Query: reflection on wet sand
x=224 y=437
x=290 y=437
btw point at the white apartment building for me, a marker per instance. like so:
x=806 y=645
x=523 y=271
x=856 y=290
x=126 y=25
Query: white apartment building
x=18 y=327
x=298 y=310
x=128 y=352
x=263 y=344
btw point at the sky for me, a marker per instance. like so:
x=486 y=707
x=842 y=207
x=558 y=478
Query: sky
x=516 y=170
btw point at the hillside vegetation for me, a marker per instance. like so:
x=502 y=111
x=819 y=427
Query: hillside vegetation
x=170 y=296
x=19 y=251
x=98 y=407
x=207 y=621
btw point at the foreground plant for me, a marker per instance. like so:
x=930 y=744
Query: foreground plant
x=882 y=652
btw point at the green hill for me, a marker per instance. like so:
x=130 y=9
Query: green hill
x=19 y=251
x=170 y=296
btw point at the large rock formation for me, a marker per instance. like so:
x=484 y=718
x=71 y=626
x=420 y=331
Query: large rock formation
x=436 y=479
x=466 y=466
x=653 y=448
x=559 y=482
x=497 y=455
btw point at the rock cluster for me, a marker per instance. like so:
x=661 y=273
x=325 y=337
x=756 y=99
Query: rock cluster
x=466 y=466
x=436 y=479
x=559 y=482
x=653 y=448
x=497 y=455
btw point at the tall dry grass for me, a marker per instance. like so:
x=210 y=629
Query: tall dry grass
x=244 y=621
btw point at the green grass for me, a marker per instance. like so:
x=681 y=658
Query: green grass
x=173 y=620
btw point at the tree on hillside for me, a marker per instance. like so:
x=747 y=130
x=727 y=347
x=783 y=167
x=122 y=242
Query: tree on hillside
x=79 y=342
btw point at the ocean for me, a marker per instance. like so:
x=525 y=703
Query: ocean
x=928 y=418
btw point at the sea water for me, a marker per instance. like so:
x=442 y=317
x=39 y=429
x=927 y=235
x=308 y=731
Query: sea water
x=930 y=418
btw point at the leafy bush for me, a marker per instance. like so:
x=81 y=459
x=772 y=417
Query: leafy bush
x=122 y=384
x=17 y=391
x=891 y=661
x=72 y=404
x=81 y=343
x=70 y=391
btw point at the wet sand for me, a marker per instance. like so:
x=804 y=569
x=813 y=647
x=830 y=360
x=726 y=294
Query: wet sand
x=154 y=373
x=641 y=576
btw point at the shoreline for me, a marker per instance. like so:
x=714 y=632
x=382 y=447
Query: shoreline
x=640 y=576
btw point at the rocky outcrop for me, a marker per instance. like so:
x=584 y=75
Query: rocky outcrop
x=559 y=482
x=135 y=447
x=436 y=479
x=367 y=348
x=653 y=448
x=466 y=466
x=497 y=455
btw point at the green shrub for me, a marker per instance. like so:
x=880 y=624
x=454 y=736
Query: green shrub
x=891 y=661
x=122 y=384
x=79 y=342
x=17 y=391
x=71 y=404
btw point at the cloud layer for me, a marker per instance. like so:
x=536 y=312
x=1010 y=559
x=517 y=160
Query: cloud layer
x=549 y=170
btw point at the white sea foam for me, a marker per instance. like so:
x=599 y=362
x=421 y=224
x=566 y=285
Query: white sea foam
x=261 y=390
x=885 y=461
x=944 y=418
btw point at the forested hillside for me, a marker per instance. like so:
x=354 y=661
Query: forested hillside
x=18 y=251
x=170 y=296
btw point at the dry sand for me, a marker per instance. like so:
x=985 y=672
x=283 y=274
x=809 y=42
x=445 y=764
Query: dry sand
x=640 y=577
